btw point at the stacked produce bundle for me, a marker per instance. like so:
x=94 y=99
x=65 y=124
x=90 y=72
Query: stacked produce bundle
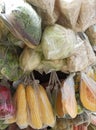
x=48 y=36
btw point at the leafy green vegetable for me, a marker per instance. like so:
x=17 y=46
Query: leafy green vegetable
x=2 y=125
x=13 y=40
x=27 y=24
x=9 y=63
x=58 y=42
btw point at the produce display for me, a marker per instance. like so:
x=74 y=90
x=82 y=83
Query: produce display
x=52 y=40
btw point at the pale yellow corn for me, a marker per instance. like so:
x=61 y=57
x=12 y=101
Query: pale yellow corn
x=45 y=107
x=21 y=114
x=34 y=112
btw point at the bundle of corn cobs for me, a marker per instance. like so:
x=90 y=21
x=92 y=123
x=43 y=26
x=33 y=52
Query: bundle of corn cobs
x=32 y=108
x=47 y=36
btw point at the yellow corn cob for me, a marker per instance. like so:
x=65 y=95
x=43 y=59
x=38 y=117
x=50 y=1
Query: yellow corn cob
x=35 y=118
x=21 y=114
x=45 y=107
